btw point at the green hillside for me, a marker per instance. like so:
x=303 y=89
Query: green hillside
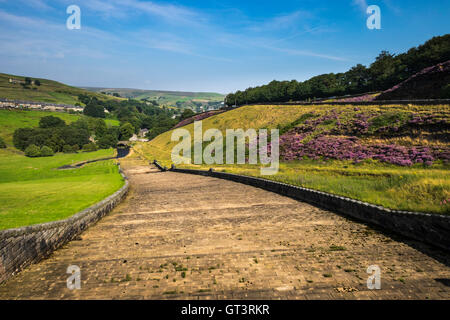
x=48 y=91
x=166 y=98
x=408 y=171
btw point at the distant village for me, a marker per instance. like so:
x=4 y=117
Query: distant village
x=30 y=105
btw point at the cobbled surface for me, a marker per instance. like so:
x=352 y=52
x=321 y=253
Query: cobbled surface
x=179 y=236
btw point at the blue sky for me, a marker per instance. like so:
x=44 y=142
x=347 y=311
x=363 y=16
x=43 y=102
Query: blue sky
x=198 y=45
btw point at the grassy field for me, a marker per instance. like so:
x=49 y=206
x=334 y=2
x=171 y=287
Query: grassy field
x=10 y=120
x=415 y=188
x=48 y=91
x=32 y=191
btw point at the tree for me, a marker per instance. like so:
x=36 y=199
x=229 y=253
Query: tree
x=21 y=137
x=383 y=71
x=126 y=131
x=187 y=113
x=2 y=144
x=32 y=151
x=46 y=151
x=94 y=110
x=99 y=127
x=51 y=122
x=27 y=81
x=107 y=141
x=37 y=82
x=356 y=79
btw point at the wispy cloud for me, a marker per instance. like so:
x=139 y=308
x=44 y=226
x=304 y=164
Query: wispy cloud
x=361 y=4
x=296 y=52
x=281 y=22
x=127 y=9
x=36 y=4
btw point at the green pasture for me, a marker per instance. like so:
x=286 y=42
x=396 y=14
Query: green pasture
x=33 y=191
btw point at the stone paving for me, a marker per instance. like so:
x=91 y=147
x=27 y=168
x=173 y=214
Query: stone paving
x=180 y=236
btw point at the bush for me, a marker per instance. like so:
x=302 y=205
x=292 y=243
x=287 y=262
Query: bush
x=89 y=147
x=32 y=151
x=46 y=151
x=51 y=122
x=68 y=149
x=2 y=144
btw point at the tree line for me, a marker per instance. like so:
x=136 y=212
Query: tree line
x=385 y=72
x=54 y=135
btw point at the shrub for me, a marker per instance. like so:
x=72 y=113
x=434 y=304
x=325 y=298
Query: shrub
x=51 y=122
x=90 y=147
x=68 y=149
x=2 y=144
x=46 y=151
x=32 y=151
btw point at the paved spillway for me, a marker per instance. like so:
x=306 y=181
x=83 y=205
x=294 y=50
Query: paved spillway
x=186 y=236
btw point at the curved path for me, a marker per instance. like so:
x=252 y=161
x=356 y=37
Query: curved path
x=185 y=236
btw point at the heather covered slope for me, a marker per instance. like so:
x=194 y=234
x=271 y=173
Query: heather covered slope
x=430 y=83
x=401 y=135
x=394 y=156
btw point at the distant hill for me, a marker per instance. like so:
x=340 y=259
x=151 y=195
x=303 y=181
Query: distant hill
x=178 y=99
x=430 y=83
x=42 y=90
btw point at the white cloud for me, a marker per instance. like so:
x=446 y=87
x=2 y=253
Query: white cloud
x=362 y=4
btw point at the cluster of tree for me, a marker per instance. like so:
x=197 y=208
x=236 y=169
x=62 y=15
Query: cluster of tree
x=134 y=113
x=387 y=71
x=114 y=94
x=28 y=82
x=54 y=134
